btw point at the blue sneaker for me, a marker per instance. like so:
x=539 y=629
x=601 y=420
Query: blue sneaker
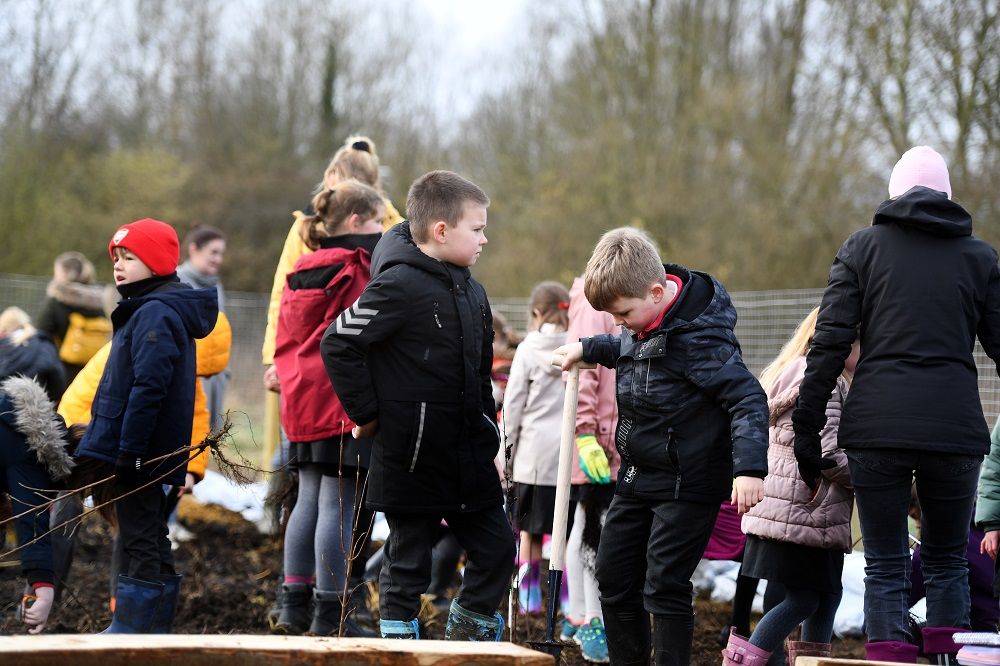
x=593 y=642
x=568 y=630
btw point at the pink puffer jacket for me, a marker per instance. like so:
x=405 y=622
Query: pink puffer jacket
x=597 y=407
x=790 y=512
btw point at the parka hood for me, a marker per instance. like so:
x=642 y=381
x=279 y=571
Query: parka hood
x=927 y=210
x=703 y=301
x=398 y=247
x=197 y=308
x=84 y=296
x=26 y=408
x=784 y=393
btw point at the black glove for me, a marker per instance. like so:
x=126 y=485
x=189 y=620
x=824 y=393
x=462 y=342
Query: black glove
x=809 y=455
x=128 y=467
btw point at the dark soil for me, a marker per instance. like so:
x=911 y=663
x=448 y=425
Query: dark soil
x=231 y=574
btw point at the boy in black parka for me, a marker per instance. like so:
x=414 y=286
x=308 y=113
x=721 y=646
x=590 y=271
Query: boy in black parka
x=410 y=361
x=691 y=419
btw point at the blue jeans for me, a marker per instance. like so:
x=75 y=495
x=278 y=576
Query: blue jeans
x=946 y=488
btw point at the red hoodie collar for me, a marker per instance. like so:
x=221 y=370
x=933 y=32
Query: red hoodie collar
x=659 y=320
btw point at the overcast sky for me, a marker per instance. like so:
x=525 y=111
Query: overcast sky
x=482 y=37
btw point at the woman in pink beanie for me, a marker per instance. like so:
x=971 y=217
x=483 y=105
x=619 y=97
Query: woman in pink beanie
x=920 y=166
x=919 y=288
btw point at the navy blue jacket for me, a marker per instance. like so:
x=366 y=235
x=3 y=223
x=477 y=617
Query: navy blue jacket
x=145 y=400
x=918 y=288
x=415 y=352
x=32 y=458
x=691 y=416
x=37 y=358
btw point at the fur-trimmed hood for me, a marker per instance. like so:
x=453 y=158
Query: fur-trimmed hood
x=25 y=406
x=84 y=296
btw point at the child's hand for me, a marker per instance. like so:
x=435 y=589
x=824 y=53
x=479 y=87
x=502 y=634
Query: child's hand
x=364 y=431
x=271 y=382
x=37 y=614
x=989 y=544
x=567 y=355
x=747 y=491
x=188 y=484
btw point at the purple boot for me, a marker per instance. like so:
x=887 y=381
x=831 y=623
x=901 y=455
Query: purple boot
x=939 y=648
x=893 y=651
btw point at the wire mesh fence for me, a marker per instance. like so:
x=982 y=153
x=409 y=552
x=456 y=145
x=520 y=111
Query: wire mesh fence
x=766 y=320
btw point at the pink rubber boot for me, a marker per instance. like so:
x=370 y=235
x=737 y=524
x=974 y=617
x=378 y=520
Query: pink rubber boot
x=740 y=652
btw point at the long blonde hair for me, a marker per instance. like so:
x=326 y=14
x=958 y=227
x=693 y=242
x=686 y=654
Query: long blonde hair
x=795 y=348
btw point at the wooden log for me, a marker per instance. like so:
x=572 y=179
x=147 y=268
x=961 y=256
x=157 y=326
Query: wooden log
x=252 y=650
x=832 y=661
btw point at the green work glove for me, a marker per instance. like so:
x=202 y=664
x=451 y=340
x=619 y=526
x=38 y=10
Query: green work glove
x=593 y=460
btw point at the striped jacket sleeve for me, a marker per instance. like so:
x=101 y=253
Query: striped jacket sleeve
x=347 y=343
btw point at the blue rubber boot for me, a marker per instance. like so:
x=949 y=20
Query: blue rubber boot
x=136 y=605
x=404 y=629
x=163 y=620
x=464 y=625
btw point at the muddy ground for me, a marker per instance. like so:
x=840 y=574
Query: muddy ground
x=231 y=571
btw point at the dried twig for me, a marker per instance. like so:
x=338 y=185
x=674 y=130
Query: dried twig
x=236 y=472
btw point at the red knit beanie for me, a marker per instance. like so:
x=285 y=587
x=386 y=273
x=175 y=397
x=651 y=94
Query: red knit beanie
x=154 y=242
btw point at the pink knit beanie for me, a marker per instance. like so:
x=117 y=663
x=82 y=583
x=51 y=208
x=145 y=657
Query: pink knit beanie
x=920 y=165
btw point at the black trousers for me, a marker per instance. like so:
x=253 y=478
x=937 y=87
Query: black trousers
x=487 y=539
x=142 y=527
x=648 y=552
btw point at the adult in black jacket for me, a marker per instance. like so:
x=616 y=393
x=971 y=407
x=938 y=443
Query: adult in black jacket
x=920 y=288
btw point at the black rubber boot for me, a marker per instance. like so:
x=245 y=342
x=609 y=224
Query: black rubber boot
x=627 y=629
x=326 y=620
x=295 y=617
x=672 y=640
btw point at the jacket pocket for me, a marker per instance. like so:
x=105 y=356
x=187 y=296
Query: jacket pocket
x=815 y=499
x=421 y=418
x=108 y=407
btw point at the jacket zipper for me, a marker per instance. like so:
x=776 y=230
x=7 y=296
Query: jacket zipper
x=437 y=319
x=420 y=435
x=675 y=458
x=494 y=426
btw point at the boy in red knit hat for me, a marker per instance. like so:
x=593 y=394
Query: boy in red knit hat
x=143 y=410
